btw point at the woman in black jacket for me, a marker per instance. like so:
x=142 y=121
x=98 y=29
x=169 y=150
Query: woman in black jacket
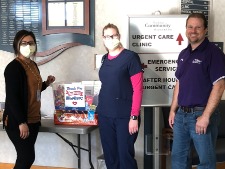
x=24 y=84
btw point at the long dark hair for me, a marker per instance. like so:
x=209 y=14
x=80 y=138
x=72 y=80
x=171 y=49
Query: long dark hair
x=18 y=38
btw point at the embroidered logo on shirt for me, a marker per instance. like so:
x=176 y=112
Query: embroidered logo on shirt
x=197 y=61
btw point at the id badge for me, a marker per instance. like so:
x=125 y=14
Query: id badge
x=38 y=95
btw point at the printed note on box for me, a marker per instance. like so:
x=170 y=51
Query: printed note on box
x=74 y=96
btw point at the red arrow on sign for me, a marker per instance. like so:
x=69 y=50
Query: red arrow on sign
x=179 y=39
x=143 y=66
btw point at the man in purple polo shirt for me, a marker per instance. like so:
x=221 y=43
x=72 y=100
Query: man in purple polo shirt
x=200 y=84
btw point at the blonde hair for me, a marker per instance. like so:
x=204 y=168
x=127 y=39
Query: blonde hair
x=110 y=25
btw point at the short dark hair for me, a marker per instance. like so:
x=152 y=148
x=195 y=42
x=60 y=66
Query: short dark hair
x=18 y=38
x=200 y=16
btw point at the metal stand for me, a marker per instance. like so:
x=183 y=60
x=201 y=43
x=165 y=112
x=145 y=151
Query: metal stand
x=152 y=135
x=79 y=148
x=156 y=136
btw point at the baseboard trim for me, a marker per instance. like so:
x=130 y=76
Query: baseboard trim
x=10 y=166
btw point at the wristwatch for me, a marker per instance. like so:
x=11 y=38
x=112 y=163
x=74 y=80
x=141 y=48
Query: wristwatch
x=134 y=117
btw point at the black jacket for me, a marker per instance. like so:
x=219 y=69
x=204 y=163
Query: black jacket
x=16 y=102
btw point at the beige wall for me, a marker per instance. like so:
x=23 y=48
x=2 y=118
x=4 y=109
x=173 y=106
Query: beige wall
x=77 y=64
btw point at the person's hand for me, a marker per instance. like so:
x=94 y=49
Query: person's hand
x=171 y=118
x=50 y=80
x=133 y=126
x=24 y=130
x=202 y=124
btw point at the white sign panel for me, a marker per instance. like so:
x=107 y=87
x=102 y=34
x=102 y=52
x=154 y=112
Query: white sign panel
x=158 y=41
x=74 y=96
x=159 y=80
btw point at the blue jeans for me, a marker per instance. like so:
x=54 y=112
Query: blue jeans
x=184 y=133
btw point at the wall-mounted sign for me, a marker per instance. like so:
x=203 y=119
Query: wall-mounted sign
x=66 y=16
x=57 y=25
x=196 y=6
x=158 y=41
x=219 y=45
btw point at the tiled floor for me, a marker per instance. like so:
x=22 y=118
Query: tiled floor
x=10 y=166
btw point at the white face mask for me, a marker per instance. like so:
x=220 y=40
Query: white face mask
x=111 y=43
x=27 y=50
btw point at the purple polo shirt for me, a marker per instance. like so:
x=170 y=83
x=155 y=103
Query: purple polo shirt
x=197 y=72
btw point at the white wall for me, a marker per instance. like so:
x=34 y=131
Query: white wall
x=77 y=64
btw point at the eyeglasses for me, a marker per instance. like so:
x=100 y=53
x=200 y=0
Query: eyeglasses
x=107 y=37
x=24 y=43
